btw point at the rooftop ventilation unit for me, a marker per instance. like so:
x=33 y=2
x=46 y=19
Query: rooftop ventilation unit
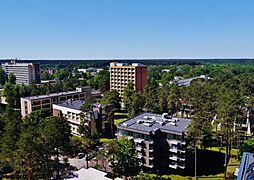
x=140 y=121
x=149 y=117
x=165 y=117
x=125 y=124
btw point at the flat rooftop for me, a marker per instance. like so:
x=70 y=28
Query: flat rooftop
x=112 y=64
x=93 y=92
x=72 y=104
x=49 y=95
x=149 y=122
x=75 y=104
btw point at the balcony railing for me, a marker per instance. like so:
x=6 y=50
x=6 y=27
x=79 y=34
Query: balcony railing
x=174 y=150
x=174 y=166
x=173 y=158
x=181 y=166
x=138 y=140
x=139 y=156
x=138 y=148
x=181 y=159
x=182 y=151
x=151 y=150
x=151 y=157
x=183 y=142
x=172 y=141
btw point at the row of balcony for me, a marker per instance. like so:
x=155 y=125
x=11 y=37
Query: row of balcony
x=176 y=158
x=122 y=70
x=119 y=83
x=176 y=150
x=122 y=78
x=175 y=166
x=176 y=142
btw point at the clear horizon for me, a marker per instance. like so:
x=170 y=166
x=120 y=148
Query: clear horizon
x=144 y=29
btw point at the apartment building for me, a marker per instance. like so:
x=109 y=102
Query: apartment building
x=159 y=141
x=99 y=120
x=33 y=103
x=121 y=73
x=25 y=73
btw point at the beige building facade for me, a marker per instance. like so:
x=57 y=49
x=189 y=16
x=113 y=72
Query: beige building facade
x=121 y=73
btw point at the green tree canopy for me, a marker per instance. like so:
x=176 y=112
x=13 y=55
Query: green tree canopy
x=3 y=77
x=246 y=146
x=125 y=159
x=111 y=97
x=128 y=94
x=12 y=79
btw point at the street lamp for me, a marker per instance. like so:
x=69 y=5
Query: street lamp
x=57 y=160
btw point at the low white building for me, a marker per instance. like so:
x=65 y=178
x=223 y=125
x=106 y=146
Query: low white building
x=99 y=121
x=70 y=110
x=90 y=174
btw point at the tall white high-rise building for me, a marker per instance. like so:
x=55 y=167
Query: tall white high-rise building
x=25 y=73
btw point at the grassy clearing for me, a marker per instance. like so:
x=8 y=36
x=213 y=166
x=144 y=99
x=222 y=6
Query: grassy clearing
x=120 y=117
x=116 y=121
x=121 y=113
x=104 y=140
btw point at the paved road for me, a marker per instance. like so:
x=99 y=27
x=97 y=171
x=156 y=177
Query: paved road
x=78 y=163
x=81 y=163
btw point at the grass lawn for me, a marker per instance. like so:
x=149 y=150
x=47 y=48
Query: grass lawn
x=121 y=113
x=120 y=117
x=116 y=121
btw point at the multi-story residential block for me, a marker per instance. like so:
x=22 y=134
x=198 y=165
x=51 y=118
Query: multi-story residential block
x=100 y=117
x=33 y=103
x=159 y=140
x=121 y=73
x=25 y=73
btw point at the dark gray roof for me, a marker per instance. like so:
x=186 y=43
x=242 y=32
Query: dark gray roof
x=72 y=104
x=149 y=122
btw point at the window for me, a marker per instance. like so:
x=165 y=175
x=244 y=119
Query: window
x=46 y=106
x=62 y=98
x=45 y=101
x=36 y=102
x=170 y=136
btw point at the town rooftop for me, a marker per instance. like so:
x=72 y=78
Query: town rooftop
x=150 y=122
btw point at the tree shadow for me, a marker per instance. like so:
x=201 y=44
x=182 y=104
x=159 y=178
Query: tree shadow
x=208 y=163
x=120 y=116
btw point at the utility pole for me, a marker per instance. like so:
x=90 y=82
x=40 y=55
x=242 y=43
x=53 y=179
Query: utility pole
x=195 y=161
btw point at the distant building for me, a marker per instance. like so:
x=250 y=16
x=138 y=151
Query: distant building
x=159 y=140
x=165 y=70
x=187 y=82
x=99 y=120
x=33 y=103
x=26 y=73
x=51 y=81
x=121 y=73
x=92 y=71
x=87 y=70
x=246 y=169
x=52 y=71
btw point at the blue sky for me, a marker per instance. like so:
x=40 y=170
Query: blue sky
x=84 y=29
